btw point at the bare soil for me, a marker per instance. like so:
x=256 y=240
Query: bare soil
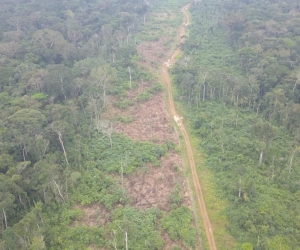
x=150 y=121
x=153 y=52
x=153 y=187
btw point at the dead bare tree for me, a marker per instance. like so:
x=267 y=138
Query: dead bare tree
x=297 y=82
x=62 y=145
x=102 y=77
x=126 y=240
x=126 y=237
x=202 y=79
x=114 y=239
x=58 y=189
x=124 y=163
x=292 y=158
x=122 y=177
x=129 y=71
x=261 y=154
x=96 y=105
x=105 y=127
x=5 y=219
x=240 y=187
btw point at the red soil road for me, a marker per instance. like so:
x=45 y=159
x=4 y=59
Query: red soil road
x=196 y=182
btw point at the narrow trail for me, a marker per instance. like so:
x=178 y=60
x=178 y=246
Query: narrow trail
x=196 y=182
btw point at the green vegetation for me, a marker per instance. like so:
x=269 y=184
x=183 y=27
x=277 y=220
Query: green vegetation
x=147 y=95
x=239 y=83
x=142 y=224
x=178 y=225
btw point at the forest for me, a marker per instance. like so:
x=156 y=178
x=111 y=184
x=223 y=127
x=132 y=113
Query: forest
x=71 y=70
x=62 y=64
x=238 y=81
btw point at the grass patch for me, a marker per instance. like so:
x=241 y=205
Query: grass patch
x=125 y=119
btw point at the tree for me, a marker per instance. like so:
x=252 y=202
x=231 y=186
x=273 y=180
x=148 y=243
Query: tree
x=23 y=126
x=37 y=80
x=25 y=232
x=58 y=82
x=6 y=204
x=38 y=243
x=6 y=161
x=9 y=49
x=48 y=38
x=51 y=43
x=101 y=79
x=265 y=132
x=292 y=158
x=247 y=55
x=48 y=180
x=247 y=246
x=277 y=243
x=106 y=127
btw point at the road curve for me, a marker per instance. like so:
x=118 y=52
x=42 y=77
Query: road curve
x=207 y=225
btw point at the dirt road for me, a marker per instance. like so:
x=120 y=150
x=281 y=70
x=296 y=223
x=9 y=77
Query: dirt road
x=196 y=182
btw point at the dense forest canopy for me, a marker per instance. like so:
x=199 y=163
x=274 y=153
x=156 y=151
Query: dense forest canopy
x=61 y=64
x=239 y=79
x=56 y=63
